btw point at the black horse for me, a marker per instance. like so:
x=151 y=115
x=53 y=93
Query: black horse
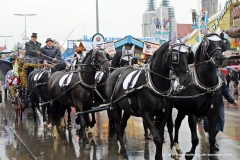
x=203 y=97
x=37 y=87
x=79 y=91
x=148 y=97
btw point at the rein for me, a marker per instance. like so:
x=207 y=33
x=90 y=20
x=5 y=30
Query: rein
x=81 y=81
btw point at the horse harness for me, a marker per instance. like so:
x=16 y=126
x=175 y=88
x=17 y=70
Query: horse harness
x=81 y=81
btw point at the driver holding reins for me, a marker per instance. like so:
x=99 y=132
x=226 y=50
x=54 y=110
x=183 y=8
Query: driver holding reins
x=50 y=53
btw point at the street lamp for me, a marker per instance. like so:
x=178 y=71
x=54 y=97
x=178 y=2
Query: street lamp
x=5 y=40
x=25 y=38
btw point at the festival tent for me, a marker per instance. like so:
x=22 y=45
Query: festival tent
x=7 y=51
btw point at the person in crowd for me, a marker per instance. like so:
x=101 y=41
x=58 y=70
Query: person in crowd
x=228 y=78
x=7 y=58
x=50 y=52
x=32 y=49
x=221 y=121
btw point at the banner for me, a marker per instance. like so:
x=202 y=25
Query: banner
x=108 y=47
x=149 y=47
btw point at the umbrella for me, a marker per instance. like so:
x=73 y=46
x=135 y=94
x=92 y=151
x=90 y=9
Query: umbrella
x=5 y=66
x=231 y=68
x=7 y=51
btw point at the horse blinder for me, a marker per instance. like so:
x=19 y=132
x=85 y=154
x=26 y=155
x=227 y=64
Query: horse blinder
x=175 y=57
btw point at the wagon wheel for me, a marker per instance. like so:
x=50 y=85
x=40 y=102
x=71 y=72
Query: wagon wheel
x=18 y=108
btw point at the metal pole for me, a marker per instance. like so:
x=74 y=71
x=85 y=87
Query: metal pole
x=199 y=28
x=97 y=22
x=25 y=28
x=162 y=21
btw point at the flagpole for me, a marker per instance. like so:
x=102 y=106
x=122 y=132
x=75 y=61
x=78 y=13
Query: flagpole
x=199 y=20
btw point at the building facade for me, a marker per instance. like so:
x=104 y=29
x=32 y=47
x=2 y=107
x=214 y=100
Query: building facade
x=167 y=21
x=211 y=6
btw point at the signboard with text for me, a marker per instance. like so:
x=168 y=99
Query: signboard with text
x=149 y=47
x=108 y=47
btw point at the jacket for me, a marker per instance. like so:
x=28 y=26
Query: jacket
x=50 y=53
x=221 y=120
x=31 y=55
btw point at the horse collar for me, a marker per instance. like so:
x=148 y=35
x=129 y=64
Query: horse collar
x=151 y=86
x=209 y=89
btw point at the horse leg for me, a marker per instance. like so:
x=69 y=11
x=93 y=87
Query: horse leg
x=49 y=126
x=111 y=123
x=81 y=121
x=44 y=115
x=34 y=108
x=192 y=122
x=213 y=120
x=92 y=123
x=170 y=132
x=62 y=120
x=69 y=110
x=146 y=135
x=117 y=115
x=55 y=119
x=124 y=120
x=178 y=121
x=148 y=120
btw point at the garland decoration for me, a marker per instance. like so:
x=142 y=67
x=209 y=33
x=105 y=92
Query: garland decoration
x=23 y=74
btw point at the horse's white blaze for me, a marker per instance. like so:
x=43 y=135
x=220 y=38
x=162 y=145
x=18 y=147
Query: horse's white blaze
x=163 y=110
x=119 y=147
x=55 y=132
x=211 y=106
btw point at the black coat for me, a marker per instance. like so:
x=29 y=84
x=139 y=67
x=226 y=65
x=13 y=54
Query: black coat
x=51 y=52
x=32 y=49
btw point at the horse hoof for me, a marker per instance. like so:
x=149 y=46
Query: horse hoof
x=87 y=146
x=80 y=140
x=49 y=127
x=147 y=137
x=45 y=124
x=124 y=156
x=69 y=126
x=189 y=155
x=176 y=157
x=180 y=151
x=92 y=124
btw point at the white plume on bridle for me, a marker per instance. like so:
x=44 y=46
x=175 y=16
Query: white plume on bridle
x=174 y=41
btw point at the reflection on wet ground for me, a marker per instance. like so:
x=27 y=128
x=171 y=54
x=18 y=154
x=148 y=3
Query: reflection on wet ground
x=27 y=140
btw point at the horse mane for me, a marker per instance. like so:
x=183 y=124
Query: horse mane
x=59 y=66
x=161 y=50
x=197 y=53
x=86 y=57
x=116 y=58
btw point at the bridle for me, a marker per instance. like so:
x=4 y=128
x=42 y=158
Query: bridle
x=94 y=62
x=175 y=54
x=204 y=48
x=129 y=56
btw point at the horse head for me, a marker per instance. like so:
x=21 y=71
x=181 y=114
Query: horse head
x=212 y=46
x=97 y=58
x=178 y=56
x=127 y=56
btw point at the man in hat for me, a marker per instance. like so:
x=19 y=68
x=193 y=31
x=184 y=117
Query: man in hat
x=32 y=49
x=50 y=52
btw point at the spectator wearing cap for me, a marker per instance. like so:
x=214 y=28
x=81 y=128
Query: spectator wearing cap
x=50 y=52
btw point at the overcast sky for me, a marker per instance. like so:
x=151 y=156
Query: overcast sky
x=57 y=18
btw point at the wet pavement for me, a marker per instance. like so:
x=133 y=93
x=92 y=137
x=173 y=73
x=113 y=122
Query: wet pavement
x=28 y=140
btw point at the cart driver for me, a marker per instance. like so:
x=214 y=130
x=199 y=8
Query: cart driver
x=32 y=49
x=50 y=52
